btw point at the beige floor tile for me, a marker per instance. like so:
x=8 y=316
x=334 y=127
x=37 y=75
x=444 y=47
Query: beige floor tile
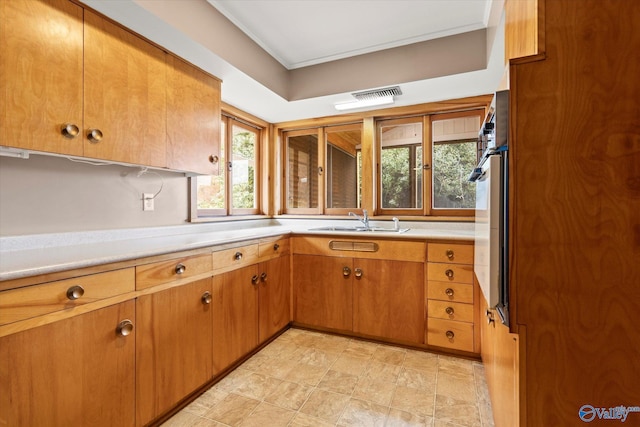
x=455 y=411
x=382 y=372
x=338 y=382
x=359 y=413
x=325 y=405
x=349 y=364
x=280 y=349
x=421 y=380
x=186 y=419
x=456 y=386
x=206 y=401
x=398 y=418
x=233 y=380
x=257 y=386
x=421 y=361
x=374 y=391
x=289 y=395
x=232 y=410
x=304 y=420
x=455 y=366
x=360 y=349
x=407 y=399
x=269 y=415
x=389 y=355
x=316 y=357
x=306 y=374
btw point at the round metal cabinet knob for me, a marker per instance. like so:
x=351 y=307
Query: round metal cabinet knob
x=180 y=268
x=276 y=247
x=75 y=292
x=94 y=135
x=124 y=328
x=449 y=292
x=207 y=298
x=238 y=256
x=449 y=310
x=449 y=273
x=255 y=279
x=450 y=334
x=358 y=272
x=69 y=130
x=214 y=159
x=346 y=271
x=449 y=254
x=263 y=277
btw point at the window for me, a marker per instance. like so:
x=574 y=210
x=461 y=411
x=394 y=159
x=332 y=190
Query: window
x=235 y=190
x=323 y=170
x=424 y=164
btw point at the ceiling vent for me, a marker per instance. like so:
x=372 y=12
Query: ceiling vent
x=377 y=93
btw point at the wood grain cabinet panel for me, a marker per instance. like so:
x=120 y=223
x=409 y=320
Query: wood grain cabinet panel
x=82 y=372
x=41 y=69
x=158 y=273
x=125 y=82
x=450 y=253
x=173 y=346
x=274 y=297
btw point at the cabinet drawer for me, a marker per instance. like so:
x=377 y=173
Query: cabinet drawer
x=450 y=334
x=230 y=259
x=167 y=271
x=455 y=273
x=275 y=247
x=452 y=253
x=450 y=310
x=37 y=300
x=456 y=292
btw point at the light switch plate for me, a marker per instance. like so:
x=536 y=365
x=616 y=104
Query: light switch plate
x=147 y=201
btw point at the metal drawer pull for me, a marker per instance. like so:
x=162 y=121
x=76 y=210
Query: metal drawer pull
x=449 y=254
x=263 y=277
x=346 y=271
x=180 y=268
x=238 y=256
x=69 y=130
x=449 y=292
x=450 y=334
x=124 y=328
x=276 y=247
x=95 y=135
x=75 y=292
x=213 y=159
x=449 y=310
x=207 y=298
x=449 y=273
x=255 y=279
x=358 y=272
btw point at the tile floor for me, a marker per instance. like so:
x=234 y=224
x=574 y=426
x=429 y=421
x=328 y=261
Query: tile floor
x=312 y=379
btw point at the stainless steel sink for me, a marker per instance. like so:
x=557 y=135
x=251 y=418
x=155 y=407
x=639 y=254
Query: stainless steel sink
x=359 y=229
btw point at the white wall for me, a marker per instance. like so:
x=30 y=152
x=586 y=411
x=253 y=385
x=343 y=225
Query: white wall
x=45 y=194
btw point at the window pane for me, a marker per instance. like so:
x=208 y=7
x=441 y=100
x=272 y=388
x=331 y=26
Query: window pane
x=451 y=165
x=302 y=171
x=243 y=168
x=211 y=188
x=343 y=167
x=401 y=166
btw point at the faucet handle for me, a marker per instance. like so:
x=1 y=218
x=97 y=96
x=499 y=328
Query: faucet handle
x=396 y=223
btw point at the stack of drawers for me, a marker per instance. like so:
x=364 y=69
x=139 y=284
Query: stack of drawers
x=450 y=296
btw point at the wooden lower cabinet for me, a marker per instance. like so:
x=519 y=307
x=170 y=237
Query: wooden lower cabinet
x=380 y=298
x=323 y=292
x=274 y=297
x=74 y=372
x=235 y=316
x=173 y=347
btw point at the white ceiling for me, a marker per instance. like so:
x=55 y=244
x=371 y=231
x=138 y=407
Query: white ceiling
x=307 y=32
x=304 y=33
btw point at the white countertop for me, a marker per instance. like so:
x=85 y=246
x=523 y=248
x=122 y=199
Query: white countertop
x=24 y=256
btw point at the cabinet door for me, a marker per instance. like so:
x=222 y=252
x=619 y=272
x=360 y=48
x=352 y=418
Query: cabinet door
x=274 y=310
x=193 y=119
x=74 y=372
x=388 y=299
x=173 y=347
x=125 y=83
x=323 y=293
x=40 y=74
x=235 y=315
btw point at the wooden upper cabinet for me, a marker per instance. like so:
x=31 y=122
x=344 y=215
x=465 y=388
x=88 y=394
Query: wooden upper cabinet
x=524 y=32
x=125 y=95
x=193 y=118
x=40 y=74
